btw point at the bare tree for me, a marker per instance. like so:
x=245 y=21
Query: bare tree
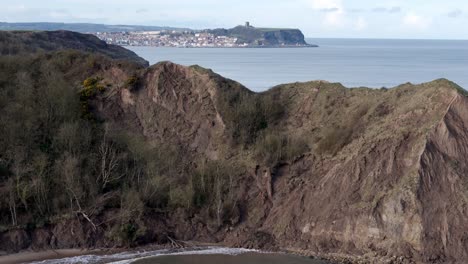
x=70 y=172
x=109 y=162
x=219 y=196
x=12 y=203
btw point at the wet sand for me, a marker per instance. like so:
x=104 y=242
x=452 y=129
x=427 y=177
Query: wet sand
x=247 y=258
x=29 y=256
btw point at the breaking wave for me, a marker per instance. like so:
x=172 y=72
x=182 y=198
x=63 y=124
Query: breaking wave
x=130 y=257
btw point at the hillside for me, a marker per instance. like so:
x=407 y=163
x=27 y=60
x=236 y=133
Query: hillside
x=111 y=153
x=26 y=42
x=263 y=36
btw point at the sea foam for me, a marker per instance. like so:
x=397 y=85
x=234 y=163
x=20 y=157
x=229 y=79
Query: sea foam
x=130 y=257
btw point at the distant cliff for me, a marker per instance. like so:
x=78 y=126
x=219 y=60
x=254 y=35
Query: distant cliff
x=81 y=27
x=24 y=42
x=264 y=36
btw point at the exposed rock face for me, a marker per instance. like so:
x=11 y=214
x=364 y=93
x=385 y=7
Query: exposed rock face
x=395 y=185
x=173 y=104
x=443 y=187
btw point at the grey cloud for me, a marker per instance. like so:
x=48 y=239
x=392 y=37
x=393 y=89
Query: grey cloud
x=357 y=10
x=142 y=10
x=391 y=10
x=455 y=13
x=62 y=10
x=395 y=9
x=330 y=10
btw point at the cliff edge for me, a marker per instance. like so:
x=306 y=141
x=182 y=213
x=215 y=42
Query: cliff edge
x=264 y=36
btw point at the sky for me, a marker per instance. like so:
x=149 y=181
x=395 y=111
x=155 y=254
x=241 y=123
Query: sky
x=414 y=19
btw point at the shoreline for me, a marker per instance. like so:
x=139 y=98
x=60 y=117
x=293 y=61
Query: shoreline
x=51 y=254
x=237 y=47
x=37 y=256
x=30 y=255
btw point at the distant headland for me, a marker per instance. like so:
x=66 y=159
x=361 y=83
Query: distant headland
x=246 y=36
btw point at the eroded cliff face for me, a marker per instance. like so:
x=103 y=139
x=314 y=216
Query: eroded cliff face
x=386 y=191
x=173 y=104
x=443 y=187
x=383 y=174
x=393 y=186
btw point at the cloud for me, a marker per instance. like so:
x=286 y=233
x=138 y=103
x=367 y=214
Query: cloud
x=59 y=14
x=329 y=10
x=416 y=21
x=360 y=24
x=142 y=10
x=391 y=10
x=455 y=13
x=357 y=10
x=333 y=9
x=325 y=4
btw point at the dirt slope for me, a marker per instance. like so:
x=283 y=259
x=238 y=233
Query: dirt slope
x=384 y=174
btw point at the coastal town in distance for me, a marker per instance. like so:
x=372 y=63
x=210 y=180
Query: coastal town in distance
x=169 y=38
x=238 y=37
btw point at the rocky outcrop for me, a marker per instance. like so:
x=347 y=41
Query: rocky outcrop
x=263 y=36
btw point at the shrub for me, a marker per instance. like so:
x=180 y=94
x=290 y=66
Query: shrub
x=247 y=113
x=213 y=186
x=272 y=148
x=181 y=196
x=91 y=88
x=132 y=82
x=334 y=140
x=128 y=233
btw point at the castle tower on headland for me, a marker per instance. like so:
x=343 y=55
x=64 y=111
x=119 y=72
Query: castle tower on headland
x=247 y=24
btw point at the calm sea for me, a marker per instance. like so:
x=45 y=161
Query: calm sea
x=372 y=63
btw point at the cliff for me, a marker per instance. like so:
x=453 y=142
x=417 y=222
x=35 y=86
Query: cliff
x=109 y=155
x=263 y=36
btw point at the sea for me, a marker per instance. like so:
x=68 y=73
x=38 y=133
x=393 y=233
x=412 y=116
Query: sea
x=373 y=63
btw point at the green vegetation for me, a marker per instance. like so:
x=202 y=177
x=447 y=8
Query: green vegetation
x=273 y=148
x=56 y=161
x=263 y=36
x=247 y=113
x=132 y=82
x=274 y=29
x=213 y=186
x=91 y=88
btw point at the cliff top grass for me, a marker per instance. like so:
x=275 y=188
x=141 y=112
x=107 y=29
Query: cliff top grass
x=275 y=29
